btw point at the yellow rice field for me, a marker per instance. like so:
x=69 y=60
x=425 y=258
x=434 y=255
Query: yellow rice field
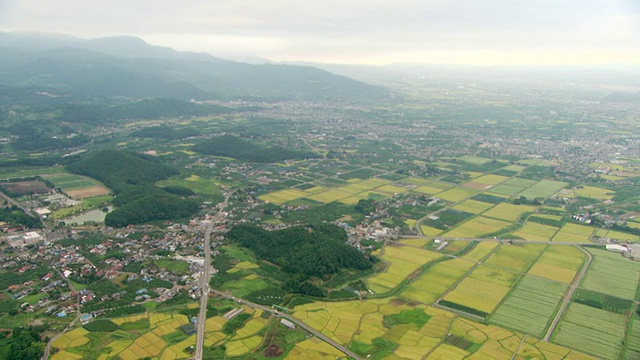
x=483 y=289
x=436 y=280
x=473 y=206
x=404 y=260
x=574 y=233
x=595 y=193
x=456 y=194
x=509 y=212
x=477 y=226
x=536 y=232
x=558 y=263
x=516 y=257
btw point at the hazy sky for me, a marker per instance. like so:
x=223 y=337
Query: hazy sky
x=357 y=31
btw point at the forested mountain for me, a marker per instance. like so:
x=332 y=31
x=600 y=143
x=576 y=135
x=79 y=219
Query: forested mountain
x=120 y=170
x=237 y=148
x=312 y=250
x=126 y=66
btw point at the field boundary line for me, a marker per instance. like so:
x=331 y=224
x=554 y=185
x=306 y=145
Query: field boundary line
x=569 y=294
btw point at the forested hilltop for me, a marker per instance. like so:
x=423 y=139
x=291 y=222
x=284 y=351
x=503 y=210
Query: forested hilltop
x=121 y=169
x=131 y=177
x=237 y=148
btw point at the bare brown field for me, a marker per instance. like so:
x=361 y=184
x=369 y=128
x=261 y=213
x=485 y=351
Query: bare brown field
x=26 y=187
x=88 y=192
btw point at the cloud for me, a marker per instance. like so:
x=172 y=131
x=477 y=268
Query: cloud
x=342 y=29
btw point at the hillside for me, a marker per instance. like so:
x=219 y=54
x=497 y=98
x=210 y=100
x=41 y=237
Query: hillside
x=237 y=148
x=120 y=169
x=127 y=66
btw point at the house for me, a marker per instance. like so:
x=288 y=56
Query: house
x=287 y=323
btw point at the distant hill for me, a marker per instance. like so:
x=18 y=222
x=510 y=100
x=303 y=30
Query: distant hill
x=237 y=148
x=127 y=66
x=120 y=170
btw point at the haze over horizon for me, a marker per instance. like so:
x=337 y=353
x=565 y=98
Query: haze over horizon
x=485 y=32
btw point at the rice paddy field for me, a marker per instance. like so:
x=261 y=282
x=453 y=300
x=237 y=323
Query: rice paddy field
x=476 y=227
x=543 y=189
x=156 y=335
x=457 y=194
x=606 y=266
x=536 y=232
x=595 y=331
x=516 y=257
x=558 y=263
x=473 y=206
x=436 y=280
x=404 y=260
x=594 y=193
x=483 y=289
x=508 y=212
x=574 y=233
x=530 y=306
x=512 y=186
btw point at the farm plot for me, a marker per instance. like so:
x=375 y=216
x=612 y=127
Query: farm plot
x=329 y=196
x=608 y=265
x=543 y=189
x=595 y=331
x=621 y=236
x=314 y=349
x=516 y=257
x=473 y=206
x=512 y=186
x=537 y=349
x=558 y=263
x=76 y=186
x=404 y=260
x=506 y=211
x=476 y=227
x=536 y=232
x=456 y=194
x=483 y=289
x=595 y=193
x=574 y=233
x=416 y=181
x=26 y=187
x=471 y=340
x=436 y=280
x=476 y=160
x=633 y=340
x=530 y=306
x=282 y=196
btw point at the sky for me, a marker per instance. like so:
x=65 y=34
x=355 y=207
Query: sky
x=474 y=32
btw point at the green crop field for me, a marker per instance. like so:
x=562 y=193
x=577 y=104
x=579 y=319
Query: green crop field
x=530 y=306
x=512 y=186
x=633 y=340
x=68 y=182
x=595 y=193
x=607 y=266
x=543 y=189
x=598 y=332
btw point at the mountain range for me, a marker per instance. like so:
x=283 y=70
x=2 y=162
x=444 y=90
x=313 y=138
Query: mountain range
x=129 y=67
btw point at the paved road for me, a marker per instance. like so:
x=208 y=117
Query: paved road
x=47 y=349
x=205 y=278
x=298 y=322
x=204 y=287
x=568 y=296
